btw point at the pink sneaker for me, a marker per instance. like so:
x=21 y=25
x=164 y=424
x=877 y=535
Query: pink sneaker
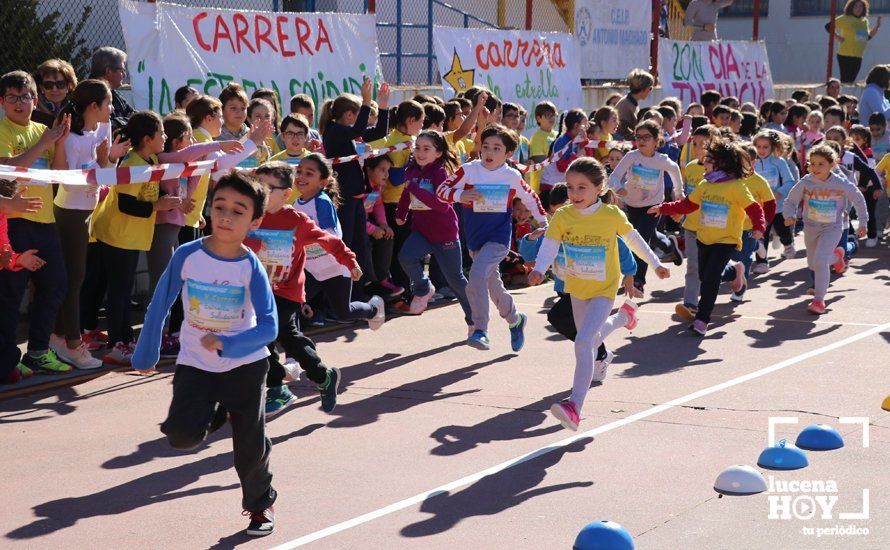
x=816 y=307
x=567 y=414
x=393 y=288
x=739 y=282
x=120 y=355
x=419 y=303
x=629 y=308
x=839 y=264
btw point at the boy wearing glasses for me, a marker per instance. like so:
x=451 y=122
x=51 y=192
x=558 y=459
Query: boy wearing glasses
x=280 y=244
x=539 y=144
x=294 y=133
x=511 y=117
x=33 y=146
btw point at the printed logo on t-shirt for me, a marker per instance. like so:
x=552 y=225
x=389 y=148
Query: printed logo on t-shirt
x=714 y=214
x=585 y=262
x=314 y=251
x=643 y=178
x=770 y=174
x=861 y=35
x=417 y=204
x=822 y=210
x=214 y=307
x=496 y=198
x=276 y=248
x=293 y=161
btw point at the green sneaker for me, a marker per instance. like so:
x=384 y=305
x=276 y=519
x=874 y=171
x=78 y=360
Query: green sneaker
x=46 y=363
x=277 y=399
x=24 y=371
x=329 y=389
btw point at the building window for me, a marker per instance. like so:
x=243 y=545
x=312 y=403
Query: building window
x=745 y=8
x=823 y=7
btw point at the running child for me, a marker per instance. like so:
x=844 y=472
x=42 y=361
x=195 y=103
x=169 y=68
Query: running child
x=229 y=320
x=433 y=224
x=280 y=244
x=486 y=188
x=723 y=199
x=325 y=273
x=768 y=145
x=824 y=197
x=587 y=232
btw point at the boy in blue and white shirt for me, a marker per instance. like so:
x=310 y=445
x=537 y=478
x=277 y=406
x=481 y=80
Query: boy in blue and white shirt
x=230 y=318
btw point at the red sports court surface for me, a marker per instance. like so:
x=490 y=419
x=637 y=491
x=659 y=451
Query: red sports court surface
x=430 y=445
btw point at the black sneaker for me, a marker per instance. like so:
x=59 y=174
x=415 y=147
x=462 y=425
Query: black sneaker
x=675 y=248
x=329 y=390
x=261 y=523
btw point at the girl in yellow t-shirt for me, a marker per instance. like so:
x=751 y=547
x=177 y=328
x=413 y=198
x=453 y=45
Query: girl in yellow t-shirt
x=723 y=200
x=586 y=231
x=123 y=225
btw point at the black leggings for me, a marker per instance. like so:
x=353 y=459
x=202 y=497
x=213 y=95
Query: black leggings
x=296 y=345
x=782 y=230
x=397 y=274
x=849 y=67
x=338 y=291
x=712 y=259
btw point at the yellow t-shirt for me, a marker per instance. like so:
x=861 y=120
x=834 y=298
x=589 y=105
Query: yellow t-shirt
x=693 y=174
x=855 y=31
x=392 y=193
x=883 y=167
x=272 y=143
x=602 y=152
x=15 y=140
x=687 y=154
x=538 y=149
x=721 y=211
x=113 y=227
x=589 y=246
x=200 y=195
x=760 y=190
x=458 y=148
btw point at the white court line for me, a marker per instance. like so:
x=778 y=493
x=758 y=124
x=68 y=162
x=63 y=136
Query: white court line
x=419 y=498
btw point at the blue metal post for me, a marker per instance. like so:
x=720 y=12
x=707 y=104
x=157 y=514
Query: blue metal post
x=275 y=5
x=310 y=6
x=399 y=41
x=466 y=20
x=429 y=43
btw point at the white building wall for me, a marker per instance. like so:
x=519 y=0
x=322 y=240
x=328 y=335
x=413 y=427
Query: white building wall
x=798 y=46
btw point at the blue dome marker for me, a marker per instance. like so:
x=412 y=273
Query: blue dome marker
x=603 y=535
x=819 y=437
x=783 y=456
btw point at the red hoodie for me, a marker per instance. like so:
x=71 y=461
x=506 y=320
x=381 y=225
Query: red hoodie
x=288 y=227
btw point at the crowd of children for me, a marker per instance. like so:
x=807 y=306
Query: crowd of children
x=299 y=232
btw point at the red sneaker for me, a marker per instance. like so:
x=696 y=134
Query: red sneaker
x=839 y=264
x=95 y=339
x=816 y=307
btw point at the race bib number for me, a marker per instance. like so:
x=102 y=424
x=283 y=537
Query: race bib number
x=314 y=251
x=822 y=210
x=360 y=147
x=276 y=248
x=417 y=204
x=861 y=35
x=714 y=214
x=249 y=162
x=371 y=200
x=643 y=178
x=293 y=161
x=41 y=164
x=771 y=174
x=213 y=307
x=183 y=187
x=495 y=198
x=585 y=262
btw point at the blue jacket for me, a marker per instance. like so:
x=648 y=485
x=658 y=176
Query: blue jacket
x=873 y=101
x=774 y=165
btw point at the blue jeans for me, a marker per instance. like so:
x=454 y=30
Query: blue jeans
x=448 y=257
x=745 y=255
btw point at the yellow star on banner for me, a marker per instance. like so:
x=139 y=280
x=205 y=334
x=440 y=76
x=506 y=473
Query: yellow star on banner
x=461 y=80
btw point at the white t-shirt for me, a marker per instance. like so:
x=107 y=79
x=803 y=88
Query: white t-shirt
x=643 y=178
x=80 y=152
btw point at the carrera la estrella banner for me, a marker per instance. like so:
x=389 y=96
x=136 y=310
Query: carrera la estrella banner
x=319 y=54
x=523 y=67
x=733 y=67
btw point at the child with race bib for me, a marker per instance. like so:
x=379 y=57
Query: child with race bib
x=824 y=197
x=325 y=272
x=486 y=188
x=280 y=244
x=723 y=200
x=639 y=181
x=433 y=224
x=229 y=320
x=776 y=171
x=587 y=231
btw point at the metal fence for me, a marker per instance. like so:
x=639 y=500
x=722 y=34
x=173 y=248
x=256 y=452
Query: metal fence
x=71 y=29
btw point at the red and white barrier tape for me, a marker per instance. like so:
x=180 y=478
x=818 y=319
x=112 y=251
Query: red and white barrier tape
x=581 y=143
x=107 y=176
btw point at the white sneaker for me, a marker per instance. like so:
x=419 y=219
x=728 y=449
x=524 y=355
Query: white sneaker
x=78 y=357
x=761 y=249
x=776 y=243
x=377 y=321
x=760 y=268
x=292 y=370
x=789 y=252
x=600 y=367
x=57 y=343
x=420 y=303
x=871 y=243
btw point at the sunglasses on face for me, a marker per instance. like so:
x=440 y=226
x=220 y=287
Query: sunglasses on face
x=54 y=84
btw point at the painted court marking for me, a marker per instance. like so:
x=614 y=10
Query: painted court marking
x=472 y=478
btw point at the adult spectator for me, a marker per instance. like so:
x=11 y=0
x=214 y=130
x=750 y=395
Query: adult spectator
x=873 y=99
x=701 y=17
x=640 y=83
x=853 y=32
x=110 y=64
x=55 y=80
